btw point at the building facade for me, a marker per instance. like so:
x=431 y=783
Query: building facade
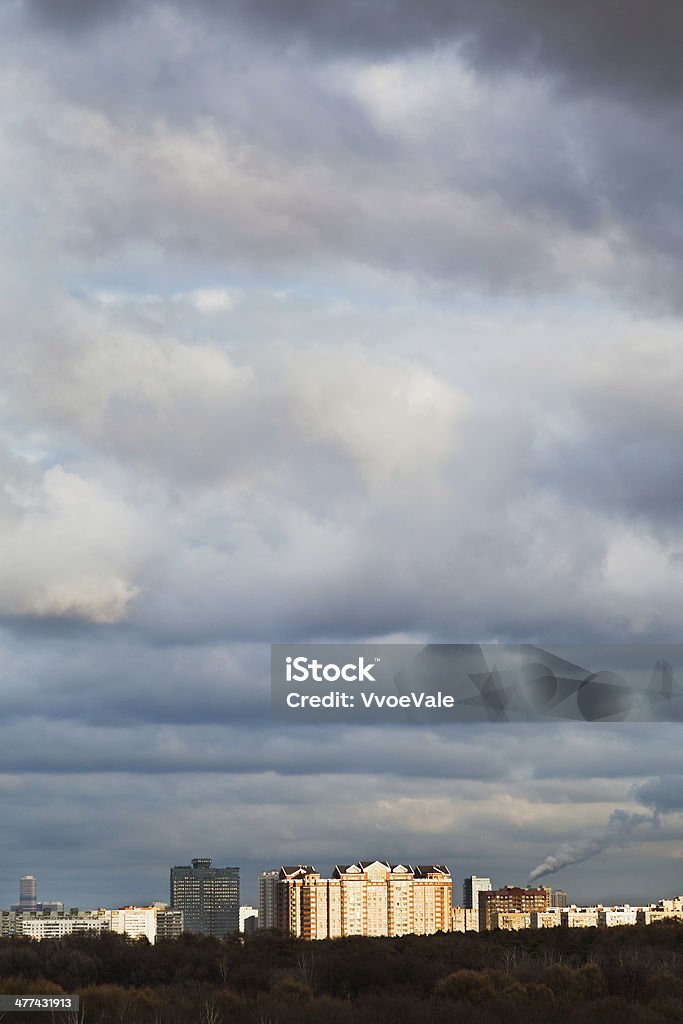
x=248 y=919
x=27 y=893
x=471 y=888
x=556 y=897
x=135 y=922
x=550 y=918
x=170 y=923
x=38 y=924
x=510 y=899
x=366 y=898
x=267 y=898
x=464 y=919
x=208 y=897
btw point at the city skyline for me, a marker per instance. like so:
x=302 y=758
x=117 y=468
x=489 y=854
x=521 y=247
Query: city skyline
x=266 y=902
x=364 y=898
x=333 y=323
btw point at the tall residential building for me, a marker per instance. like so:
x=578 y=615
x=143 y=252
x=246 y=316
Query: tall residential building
x=208 y=897
x=556 y=897
x=267 y=898
x=27 y=893
x=365 y=898
x=471 y=888
x=511 y=899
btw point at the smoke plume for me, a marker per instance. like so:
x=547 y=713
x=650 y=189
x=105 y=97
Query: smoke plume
x=663 y=795
x=619 y=831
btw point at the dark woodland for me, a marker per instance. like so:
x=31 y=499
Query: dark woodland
x=615 y=975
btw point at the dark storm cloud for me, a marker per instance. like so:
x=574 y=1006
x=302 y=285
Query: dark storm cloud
x=73 y=15
x=525 y=191
x=664 y=794
x=631 y=48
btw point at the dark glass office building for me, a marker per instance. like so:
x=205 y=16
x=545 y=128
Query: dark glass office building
x=208 y=897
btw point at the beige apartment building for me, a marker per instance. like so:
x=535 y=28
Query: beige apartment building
x=510 y=920
x=464 y=919
x=665 y=910
x=550 y=918
x=366 y=898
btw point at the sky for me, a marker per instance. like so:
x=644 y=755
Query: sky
x=330 y=322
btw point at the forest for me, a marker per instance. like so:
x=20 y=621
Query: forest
x=574 y=976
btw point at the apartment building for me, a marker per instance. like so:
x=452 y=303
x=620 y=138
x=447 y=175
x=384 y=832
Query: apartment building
x=464 y=919
x=135 y=922
x=37 y=924
x=510 y=899
x=267 y=898
x=209 y=897
x=365 y=898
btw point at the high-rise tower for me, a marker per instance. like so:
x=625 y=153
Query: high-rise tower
x=208 y=897
x=472 y=886
x=27 y=893
x=267 y=898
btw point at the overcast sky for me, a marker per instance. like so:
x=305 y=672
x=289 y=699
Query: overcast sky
x=330 y=321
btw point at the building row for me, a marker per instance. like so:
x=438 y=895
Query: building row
x=155 y=922
x=512 y=909
x=366 y=898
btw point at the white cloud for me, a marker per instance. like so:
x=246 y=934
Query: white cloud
x=210 y=300
x=70 y=550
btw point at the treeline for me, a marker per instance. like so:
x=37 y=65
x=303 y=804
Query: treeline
x=568 y=976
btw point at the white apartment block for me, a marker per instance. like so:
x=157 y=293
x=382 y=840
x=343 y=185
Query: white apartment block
x=135 y=921
x=580 y=917
x=610 y=917
x=38 y=925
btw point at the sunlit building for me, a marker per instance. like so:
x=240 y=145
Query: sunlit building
x=366 y=898
x=509 y=899
x=38 y=924
x=464 y=919
x=471 y=888
x=135 y=922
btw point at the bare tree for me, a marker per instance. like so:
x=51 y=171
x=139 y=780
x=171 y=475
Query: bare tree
x=210 y=1013
x=306 y=965
x=123 y=1010
x=224 y=968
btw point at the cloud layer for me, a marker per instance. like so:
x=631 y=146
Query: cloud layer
x=330 y=322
